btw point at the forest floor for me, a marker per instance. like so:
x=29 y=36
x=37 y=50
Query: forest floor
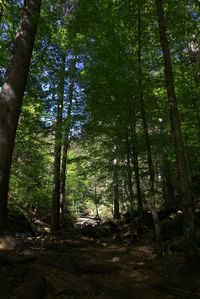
x=72 y=266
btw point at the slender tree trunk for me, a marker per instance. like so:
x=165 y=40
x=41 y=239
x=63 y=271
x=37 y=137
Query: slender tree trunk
x=12 y=93
x=56 y=207
x=189 y=228
x=147 y=139
x=96 y=201
x=124 y=193
x=130 y=184
x=116 y=213
x=66 y=142
x=136 y=169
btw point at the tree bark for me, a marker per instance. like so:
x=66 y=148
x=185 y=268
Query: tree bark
x=66 y=142
x=96 y=201
x=56 y=206
x=191 y=251
x=130 y=184
x=136 y=169
x=116 y=213
x=12 y=93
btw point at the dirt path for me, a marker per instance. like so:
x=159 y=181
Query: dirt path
x=74 y=267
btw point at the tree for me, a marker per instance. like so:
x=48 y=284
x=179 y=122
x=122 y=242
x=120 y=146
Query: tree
x=189 y=228
x=55 y=214
x=66 y=138
x=12 y=93
x=116 y=212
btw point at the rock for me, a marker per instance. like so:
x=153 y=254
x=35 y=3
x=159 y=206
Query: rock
x=20 y=224
x=89 y=231
x=172 y=226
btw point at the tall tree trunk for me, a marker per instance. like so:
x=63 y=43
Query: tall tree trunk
x=12 y=93
x=130 y=183
x=66 y=141
x=56 y=207
x=116 y=213
x=124 y=193
x=136 y=168
x=191 y=251
x=146 y=135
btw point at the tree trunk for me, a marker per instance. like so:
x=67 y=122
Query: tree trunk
x=130 y=184
x=66 y=142
x=12 y=93
x=147 y=139
x=116 y=213
x=96 y=201
x=136 y=169
x=56 y=207
x=191 y=251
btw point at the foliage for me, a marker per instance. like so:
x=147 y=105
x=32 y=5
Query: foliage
x=103 y=36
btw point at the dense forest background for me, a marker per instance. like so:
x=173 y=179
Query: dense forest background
x=110 y=120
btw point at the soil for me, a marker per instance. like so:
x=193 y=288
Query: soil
x=71 y=265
